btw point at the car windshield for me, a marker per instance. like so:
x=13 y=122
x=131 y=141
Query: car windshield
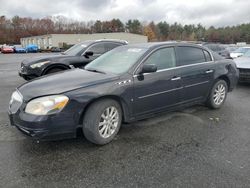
x=76 y=49
x=241 y=50
x=117 y=61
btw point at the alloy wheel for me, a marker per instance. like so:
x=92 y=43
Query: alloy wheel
x=108 y=122
x=219 y=94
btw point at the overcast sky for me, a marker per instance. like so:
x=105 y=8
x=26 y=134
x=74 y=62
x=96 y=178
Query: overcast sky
x=206 y=12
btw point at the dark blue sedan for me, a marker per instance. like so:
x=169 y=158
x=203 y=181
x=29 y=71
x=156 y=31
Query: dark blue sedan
x=129 y=83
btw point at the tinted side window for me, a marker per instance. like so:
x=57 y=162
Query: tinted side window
x=163 y=58
x=97 y=49
x=190 y=55
x=207 y=55
x=110 y=46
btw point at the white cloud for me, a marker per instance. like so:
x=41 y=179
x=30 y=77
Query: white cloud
x=212 y=12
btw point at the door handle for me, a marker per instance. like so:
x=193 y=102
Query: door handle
x=176 y=78
x=209 y=71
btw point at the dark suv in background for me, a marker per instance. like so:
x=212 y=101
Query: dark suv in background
x=77 y=56
x=128 y=83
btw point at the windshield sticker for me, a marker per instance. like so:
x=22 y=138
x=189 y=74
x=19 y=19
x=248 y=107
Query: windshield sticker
x=83 y=45
x=134 y=50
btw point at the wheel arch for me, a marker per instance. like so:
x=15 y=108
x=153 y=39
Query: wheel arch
x=58 y=65
x=121 y=102
x=226 y=79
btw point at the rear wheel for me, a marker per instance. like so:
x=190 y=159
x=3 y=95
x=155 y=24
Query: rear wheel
x=102 y=121
x=218 y=94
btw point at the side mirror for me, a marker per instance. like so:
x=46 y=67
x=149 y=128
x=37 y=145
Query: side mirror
x=148 y=68
x=88 y=53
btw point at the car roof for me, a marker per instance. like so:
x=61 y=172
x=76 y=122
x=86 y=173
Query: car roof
x=104 y=40
x=166 y=43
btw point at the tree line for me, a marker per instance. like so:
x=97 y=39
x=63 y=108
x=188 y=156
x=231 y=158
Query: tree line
x=12 y=29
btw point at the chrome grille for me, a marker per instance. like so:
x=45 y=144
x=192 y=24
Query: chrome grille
x=244 y=71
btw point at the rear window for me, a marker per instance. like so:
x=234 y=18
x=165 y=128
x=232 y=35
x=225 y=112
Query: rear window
x=190 y=55
x=97 y=48
x=110 y=46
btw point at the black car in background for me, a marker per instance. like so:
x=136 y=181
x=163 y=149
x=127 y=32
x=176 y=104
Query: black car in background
x=219 y=49
x=77 y=56
x=129 y=83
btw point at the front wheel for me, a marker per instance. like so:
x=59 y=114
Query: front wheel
x=102 y=121
x=218 y=94
x=54 y=70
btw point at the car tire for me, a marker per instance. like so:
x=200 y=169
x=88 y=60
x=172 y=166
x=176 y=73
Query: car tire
x=102 y=121
x=218 y=94
x=54 y=70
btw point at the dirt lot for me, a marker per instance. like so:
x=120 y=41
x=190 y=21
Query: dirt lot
x=197 y=147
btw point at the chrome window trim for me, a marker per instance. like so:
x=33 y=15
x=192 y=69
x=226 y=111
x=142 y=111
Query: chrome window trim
x=172 y=68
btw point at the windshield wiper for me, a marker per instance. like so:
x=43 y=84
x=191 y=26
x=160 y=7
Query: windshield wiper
x=95 y=70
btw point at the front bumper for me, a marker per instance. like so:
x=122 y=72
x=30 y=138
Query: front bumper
x=27 y=73
x=51 y=127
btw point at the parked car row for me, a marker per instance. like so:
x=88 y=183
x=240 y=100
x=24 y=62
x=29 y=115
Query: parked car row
x=239 y=52
x=16 y=49
x=111 y=82
x=32 y=48
x=218 y=48
x=227 y=51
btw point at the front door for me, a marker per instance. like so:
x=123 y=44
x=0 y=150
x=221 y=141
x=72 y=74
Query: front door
x=156 y=91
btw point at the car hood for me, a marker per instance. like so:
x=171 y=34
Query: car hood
x=243 y=62
x=53 y=58
x=63 y=82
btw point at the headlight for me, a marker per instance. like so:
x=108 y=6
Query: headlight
x=37 y=65
x=47 y=105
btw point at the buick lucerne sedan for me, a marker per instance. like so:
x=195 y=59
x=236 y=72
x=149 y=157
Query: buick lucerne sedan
x=77 y=56
x=129 y=83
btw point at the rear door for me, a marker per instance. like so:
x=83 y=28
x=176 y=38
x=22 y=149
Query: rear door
x=157 y=90
x=196 y=69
